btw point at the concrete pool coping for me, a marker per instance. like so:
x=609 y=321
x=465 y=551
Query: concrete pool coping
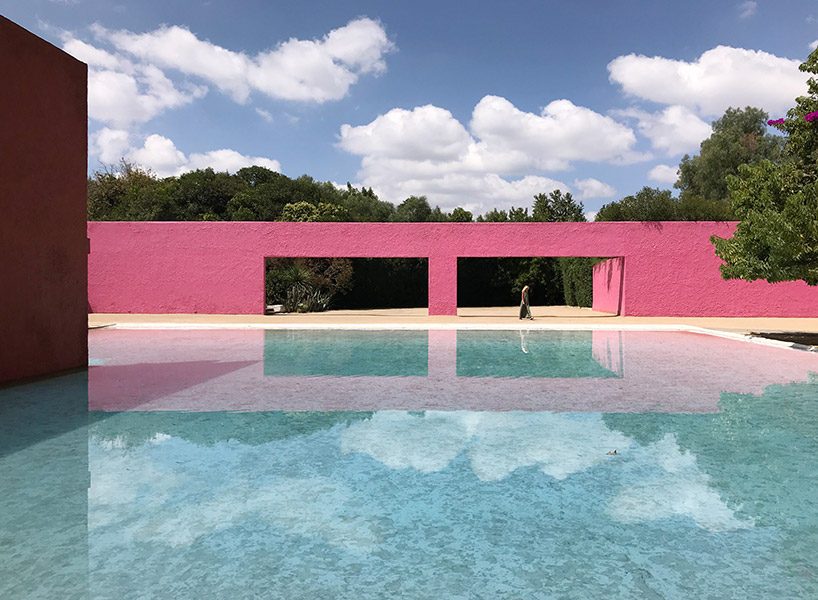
x=503 y=317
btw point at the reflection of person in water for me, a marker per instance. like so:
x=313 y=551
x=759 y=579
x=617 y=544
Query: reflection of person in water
x=525 y=307
x=522 y=342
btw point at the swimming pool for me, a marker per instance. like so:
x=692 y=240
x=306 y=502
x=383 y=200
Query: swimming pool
x=414 y=464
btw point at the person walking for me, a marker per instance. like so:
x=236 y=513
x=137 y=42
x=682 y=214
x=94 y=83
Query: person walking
x=525 y=307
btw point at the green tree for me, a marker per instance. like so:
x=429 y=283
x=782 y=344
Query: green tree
x=255 y=176
x=777 y=204
x=557 y=207
x=493 y=216
x=648 y=204
x=415 y=209
x=299 y=212
x=204 y=192
x=263 y=202
x=518 y=215
x=364 y=206
x=461 y=215
x=777 y=237
x=739 y=137
x=128 y=193
x=306 y=212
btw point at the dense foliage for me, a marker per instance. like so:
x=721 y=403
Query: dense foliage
x=777 y=237
x=653 y=204
x=739 y=137
x=306 y=284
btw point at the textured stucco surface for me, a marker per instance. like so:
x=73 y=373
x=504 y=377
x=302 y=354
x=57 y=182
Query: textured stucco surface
x=43 y=137
x=668 y=269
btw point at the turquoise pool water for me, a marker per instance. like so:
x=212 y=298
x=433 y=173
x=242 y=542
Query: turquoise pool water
x=177 y=468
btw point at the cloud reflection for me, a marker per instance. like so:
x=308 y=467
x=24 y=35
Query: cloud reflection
x=659 y=481
x=680 y=489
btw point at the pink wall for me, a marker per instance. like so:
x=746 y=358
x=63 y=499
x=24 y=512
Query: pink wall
x=608 y=277
x=43 y=137
x=668 y=269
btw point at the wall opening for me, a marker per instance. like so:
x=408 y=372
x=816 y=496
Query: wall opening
x=319 y=283
x=554 y=281
x=387 y=283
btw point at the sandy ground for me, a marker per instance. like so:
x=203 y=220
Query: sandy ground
x=498 y=315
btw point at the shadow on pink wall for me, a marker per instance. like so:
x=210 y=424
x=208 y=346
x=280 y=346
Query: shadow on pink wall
x=608 y=277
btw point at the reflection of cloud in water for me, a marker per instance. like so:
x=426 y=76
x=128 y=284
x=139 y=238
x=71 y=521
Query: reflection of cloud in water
x=171 y=492
x=124 y=476
x=680 y=489
x=316 y=506
x=498 y=443
x=177 y=509
x=398 y=439
x=559 y=444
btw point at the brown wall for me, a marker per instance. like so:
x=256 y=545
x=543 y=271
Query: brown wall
x=43 y=245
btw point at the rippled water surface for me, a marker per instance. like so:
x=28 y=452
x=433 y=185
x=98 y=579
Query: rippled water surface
x=413 y=464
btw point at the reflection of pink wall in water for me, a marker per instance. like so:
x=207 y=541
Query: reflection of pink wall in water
x=666 y=268
x=442 y=353
x=607 y=350
x=224 y=370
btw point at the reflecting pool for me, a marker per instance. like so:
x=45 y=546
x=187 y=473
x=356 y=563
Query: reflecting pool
x=467 y=464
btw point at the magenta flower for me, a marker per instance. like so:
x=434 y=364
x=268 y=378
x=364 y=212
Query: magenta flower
x=776 y=122
x=812 y=116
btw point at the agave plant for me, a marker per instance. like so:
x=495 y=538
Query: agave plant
x=306 y=285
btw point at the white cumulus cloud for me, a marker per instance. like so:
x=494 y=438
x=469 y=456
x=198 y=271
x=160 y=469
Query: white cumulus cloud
x=128 y=82
x=121 y=99
x=109 y=145
x=672 y=131
x=307 y=70
x=593 y=188
x=494 y=162
x=228 y=160
x=425 y=133
x=664 y=174
x=560 y=134
x=160 y=154
x=720 y=78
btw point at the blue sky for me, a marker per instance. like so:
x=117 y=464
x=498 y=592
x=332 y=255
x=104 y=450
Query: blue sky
x=475 y=104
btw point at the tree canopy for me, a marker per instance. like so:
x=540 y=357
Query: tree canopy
x=648 y=204
x=739 y=137
x=777 y=203
x=557 y=207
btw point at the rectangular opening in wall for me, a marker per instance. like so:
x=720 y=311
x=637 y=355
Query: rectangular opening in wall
x=553 y=281
x=320 y=284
